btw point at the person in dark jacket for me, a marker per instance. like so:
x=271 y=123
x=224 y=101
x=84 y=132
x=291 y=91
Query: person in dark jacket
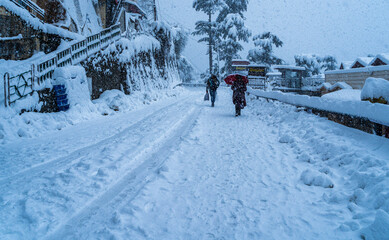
x=212 y=85
x=239 y=94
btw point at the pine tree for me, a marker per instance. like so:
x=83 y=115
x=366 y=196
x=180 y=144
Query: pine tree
x=207 y=28
x=263 y=51
x=231 y=30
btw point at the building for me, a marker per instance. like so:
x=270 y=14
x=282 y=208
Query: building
x=112 y=12
x=380 y=60
x=23 y=34
x=240 y=66
x=291 y=76
x=361 y=62
x=346 y=65
x=361 y=69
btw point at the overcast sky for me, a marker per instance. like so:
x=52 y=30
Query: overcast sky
x=346 y=29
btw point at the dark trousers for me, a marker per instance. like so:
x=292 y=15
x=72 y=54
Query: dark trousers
x=213 y=95
x=237 y=109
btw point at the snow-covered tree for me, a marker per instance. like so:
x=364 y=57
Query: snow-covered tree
x=232 y=31
x=263 y=52
x=315 y=64
x=329 y=63
x=207 y=28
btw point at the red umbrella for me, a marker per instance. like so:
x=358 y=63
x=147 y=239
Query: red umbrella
x=230 y=79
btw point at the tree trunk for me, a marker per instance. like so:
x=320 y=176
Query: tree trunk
x=210 y=43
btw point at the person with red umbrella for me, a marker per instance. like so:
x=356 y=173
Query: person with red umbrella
x=239 y=94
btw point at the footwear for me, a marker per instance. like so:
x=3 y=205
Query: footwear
x=213 y=104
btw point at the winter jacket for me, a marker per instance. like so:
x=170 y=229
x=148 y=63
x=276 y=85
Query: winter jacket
x=213 y=83
x=239 y=96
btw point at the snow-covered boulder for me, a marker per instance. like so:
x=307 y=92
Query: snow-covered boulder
x=376 y=90
x=338 y=86
x=316 y=178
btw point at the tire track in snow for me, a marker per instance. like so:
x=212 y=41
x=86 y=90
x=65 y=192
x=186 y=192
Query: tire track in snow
x=46 y=166
x=129 y=186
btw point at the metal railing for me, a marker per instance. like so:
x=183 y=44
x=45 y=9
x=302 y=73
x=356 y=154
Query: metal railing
x=21 y=85
x=31 y=7
x=117 y=12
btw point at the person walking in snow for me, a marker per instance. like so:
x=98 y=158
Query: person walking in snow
x=212 y=85
x=239 y=94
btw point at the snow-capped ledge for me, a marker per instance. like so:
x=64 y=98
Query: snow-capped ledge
x=378 y=113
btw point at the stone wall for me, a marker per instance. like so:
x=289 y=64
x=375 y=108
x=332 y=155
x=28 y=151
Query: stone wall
x=19 y=41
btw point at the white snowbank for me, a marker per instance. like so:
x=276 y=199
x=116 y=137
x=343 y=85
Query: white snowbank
x=378 y=113
x=344 y=95
x=379 y=229
x=375 y=88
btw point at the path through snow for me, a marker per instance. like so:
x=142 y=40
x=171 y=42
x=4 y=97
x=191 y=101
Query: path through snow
x=184 y=170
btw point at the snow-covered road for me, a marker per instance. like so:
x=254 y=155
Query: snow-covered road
x=180 y=169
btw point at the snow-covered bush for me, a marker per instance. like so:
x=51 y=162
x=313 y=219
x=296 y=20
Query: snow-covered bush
x=376 y=90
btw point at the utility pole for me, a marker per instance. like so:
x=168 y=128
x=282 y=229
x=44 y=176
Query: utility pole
x=155 y=11
x=210 y=43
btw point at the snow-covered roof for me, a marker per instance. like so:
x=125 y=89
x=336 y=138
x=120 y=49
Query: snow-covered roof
x=240 y=62
x=257 y=65
x=289 y=67
x=142 y=12
x=37 y=24
x=273 y=74
x=364 y=61
x=364 y=69
x=384 y=57
x=346 y=64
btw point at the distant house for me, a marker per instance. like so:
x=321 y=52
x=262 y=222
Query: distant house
x=112 y=12
x=346 y=65
x=291 y=76
x=361 y=62
x=380 y=60
x=22 y=33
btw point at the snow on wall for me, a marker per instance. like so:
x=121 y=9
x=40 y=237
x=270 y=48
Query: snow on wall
x=378 y=113
x=140 y=43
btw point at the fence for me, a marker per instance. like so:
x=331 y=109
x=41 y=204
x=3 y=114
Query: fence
x=21 y=85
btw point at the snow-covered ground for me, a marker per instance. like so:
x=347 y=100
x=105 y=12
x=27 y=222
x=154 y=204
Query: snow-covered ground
x=179 y=169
